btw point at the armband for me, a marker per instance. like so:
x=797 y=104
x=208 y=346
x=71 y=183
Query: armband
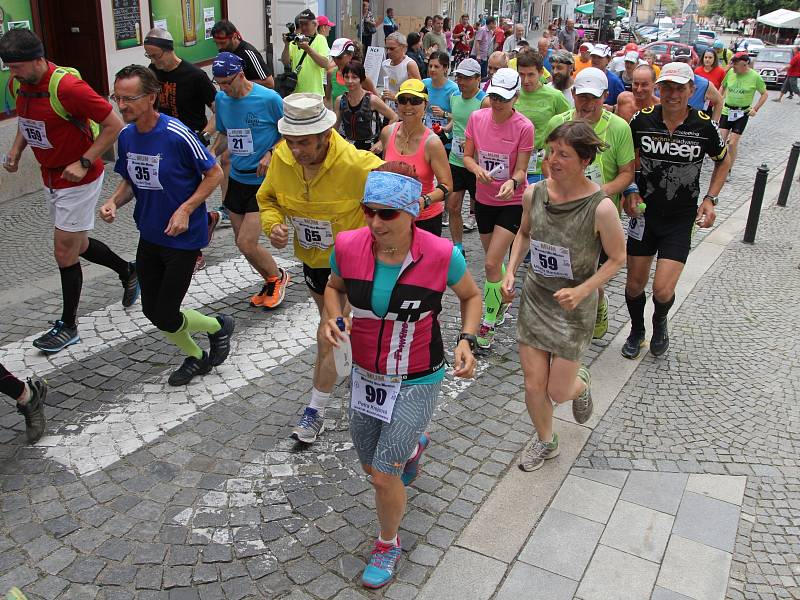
x=631 y=189
x=445 y=191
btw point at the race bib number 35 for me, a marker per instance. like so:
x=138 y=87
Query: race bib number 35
x=143 y=171
x=312 y=233
x=550 y=261
x=34 y=133
x=373 y=394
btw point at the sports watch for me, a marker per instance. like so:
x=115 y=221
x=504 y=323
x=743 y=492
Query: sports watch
x=714 y=199
x=471 y=340
x=85 y=162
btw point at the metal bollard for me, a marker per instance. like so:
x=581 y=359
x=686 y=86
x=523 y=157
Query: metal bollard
x=755 y=204
x=791 y=164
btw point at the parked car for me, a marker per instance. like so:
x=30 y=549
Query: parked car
x=750 y=45
x=709 y=33
x=771 y=64
x=664 y=52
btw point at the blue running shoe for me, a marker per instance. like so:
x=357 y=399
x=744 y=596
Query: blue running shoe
x=381 y=568
x=309 y=427
x=411 y=470
x=58 y=338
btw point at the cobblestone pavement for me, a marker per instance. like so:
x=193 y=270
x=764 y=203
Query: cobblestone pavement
x=140 y=491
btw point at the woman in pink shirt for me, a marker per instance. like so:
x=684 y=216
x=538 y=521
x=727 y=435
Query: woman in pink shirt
x=499 y=141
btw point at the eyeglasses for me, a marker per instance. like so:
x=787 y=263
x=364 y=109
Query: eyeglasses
x=126 y=99
x=408 y=99
x=499 y=98
x=153 y=56
x=224 y=82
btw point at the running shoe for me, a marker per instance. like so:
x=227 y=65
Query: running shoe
x=501 y=314
x=582 y=406
x=224 y=217
x=411 y=470
x=470 y=224
x=633 y=345
x=485 y=335
x=659 y=342
x=130 y=286
x=191 y=368
x=533 y=458
x=33 y=409
x=601 y=321
x=274 y=290
x=58 y=338
x=199 y=263
x=309 y=427
x=382 y=566
x=213 y=220
x=220 y=342
x=445 y=219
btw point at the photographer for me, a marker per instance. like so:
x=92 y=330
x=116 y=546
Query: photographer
x=306 y=53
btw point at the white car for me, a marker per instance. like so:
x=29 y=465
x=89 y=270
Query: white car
x=750 y=45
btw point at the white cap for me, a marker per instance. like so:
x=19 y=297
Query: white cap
x=591 y=81
x=589 y=46
x=469 y=67
x=340 y=46
x=678 y=72
x=600 y=50
x=632 y=56
x=505 y=83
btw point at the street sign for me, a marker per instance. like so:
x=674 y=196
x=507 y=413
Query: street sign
x=691 y=8
x=660 y=13
x=610 y=13
x=599 y=8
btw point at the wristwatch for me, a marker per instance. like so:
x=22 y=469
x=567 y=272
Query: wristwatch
x=471 y=340
x=85 y=162
x=427 y=200
x=714 y=199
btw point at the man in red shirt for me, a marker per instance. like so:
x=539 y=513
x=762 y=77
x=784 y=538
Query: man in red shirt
x=463 y=34
x=792 y=73
x=71 y=169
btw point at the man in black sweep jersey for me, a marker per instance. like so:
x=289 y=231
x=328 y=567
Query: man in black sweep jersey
x=671 y=140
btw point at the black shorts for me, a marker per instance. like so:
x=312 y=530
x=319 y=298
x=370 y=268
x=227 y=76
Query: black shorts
x=488 y=217
x=241 y=197
x=736 y=126
x=316 y=279
x=463 y=180
x=432 y=225
x=667 y=238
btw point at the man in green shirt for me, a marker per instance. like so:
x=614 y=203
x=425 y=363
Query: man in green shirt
x=613 y=169
x=435 y=37
x=309 y=59
x=738 y=90
x=539 y=103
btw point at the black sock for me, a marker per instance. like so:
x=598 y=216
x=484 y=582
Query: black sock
x=98 y=252
x=10 y=385
x=662 y=309
x=71 y=284
x=636 y=310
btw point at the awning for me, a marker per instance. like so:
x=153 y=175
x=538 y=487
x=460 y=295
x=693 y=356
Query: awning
x=788 y=19
x=588 y=9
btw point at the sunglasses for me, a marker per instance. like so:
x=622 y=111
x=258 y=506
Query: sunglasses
x=412 y=100
x=499 y=98
x=385 y=214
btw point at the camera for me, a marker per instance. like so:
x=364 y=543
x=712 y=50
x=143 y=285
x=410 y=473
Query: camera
x=294 y=37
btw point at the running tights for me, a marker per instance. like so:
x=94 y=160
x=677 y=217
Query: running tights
x=10 y=385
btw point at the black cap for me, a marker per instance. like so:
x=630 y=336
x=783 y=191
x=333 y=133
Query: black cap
x=306 y=15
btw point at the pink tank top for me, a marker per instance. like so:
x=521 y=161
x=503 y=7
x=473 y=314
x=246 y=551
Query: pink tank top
x=423 y=168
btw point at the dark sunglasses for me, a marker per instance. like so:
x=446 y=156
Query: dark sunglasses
x=386 y=214
x=499 y=98
x=412 y=100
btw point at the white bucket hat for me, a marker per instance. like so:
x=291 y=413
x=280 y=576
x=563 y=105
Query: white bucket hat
x=305 y=114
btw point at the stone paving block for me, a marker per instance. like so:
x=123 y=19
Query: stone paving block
x=638 y=530
x=660 y=593
x=607 y=476
x=586 y=498
x=562 y=543
x=525 y=582
x=615 y=575
x=659 y=491
x=726 y=488
x=463 y=574
x=694 y=569
x=708 y=521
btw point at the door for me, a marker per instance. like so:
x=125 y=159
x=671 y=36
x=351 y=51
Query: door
x=73 y=37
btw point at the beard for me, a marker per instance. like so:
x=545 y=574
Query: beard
x=560 y=81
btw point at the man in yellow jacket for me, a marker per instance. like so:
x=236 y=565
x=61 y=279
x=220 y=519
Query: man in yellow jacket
x=315 y=183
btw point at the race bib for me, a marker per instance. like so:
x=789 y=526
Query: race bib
x=533 y=163
x=550 y=261
x=458 y=147
x=496 y=164
x=734 y=114
x=240 y=141
x=430 y=120
x=636 y=228
x=373 y=394
x=34 y=133
x=311 y=233
x=143 y=171
x=594 y=174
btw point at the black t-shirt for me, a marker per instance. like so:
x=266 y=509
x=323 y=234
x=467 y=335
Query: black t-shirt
x=185 y=93
x=255 y=67
x=669 y=176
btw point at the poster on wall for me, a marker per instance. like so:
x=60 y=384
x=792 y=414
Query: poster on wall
x=14 y=14
x=127 y=23
x=188 y=22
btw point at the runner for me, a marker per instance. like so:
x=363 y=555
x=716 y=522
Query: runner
x=497 y=60
x=583 y=59
x=170 y=174
x=358 y=111
x=396 y=68
x=467 y=100
x=630 y=64
x=342 y=52
x=613 y=170
x=705 y=96
x=641 y=96
x=380 y=270
x=247 y=122
x=671 y=140
x=601 y=55
x=563 y=72
x=498 y=146
x=30 y=399
x=228 y=39
x=710 y=68
x=463 y=34
x=440 y=89
x=724 y=55
x=310 y=161
x=409 y=141
x=738 y=91
x=570 y=217
x=69 y=154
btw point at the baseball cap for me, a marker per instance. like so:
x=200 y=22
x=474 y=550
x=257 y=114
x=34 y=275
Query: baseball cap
x=591 y=81
x=468 y=67
x=305 y=15
x=631 y=46
x=225 y=64
x=718 y=44
x=632 y=56
x=340 y=46
x=600 y=50
x=413 y=87
x=682 y=54
x=587 y=46
x=741 y=56
x=323 y=21
x=677 y=72
x=505 y=83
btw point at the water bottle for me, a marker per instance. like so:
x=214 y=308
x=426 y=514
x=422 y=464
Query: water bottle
x=343 y=355
x=640 y=208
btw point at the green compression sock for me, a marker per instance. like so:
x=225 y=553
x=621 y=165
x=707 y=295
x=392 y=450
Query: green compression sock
x=197 y=322
x=183 y=340
x=492 y=300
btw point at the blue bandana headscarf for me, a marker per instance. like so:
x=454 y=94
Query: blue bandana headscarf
x=225 y=64
x=393 y=190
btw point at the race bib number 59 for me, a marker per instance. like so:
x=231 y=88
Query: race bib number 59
x=550 y=261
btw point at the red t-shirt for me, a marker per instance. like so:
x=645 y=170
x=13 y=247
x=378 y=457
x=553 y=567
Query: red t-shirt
x=715 y=76
x=794 y=66
x=56 y=142
x=469 y=36
x=499 y=38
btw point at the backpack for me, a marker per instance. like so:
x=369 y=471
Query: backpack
x=362 y=124
x=92 y=129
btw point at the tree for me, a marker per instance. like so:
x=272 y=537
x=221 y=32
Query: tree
x=745 y=9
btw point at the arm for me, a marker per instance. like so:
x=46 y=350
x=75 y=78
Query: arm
x=321 y=60
x=338 y=116
x=413 y=70
x=471 y=165
x=437 y=156
x=211 y=127
x=518 y=177
x=621 y=181
x=219 y=144
x=519 y=248
x=12 y=162
x=111 y=126
x=285 y=59
x=271 y=216
x=121 y=196
x=335 y=300
x=369 y=85
x=715 y=99
x=471 y=307
x=706 y=214
x=380 y=106
x=179 y=221
x=762 y=98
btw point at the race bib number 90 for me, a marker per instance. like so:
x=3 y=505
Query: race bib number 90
x=550 y=261
x=374 y=394
x=311 y=233
x=34 y=133
x=143 y=171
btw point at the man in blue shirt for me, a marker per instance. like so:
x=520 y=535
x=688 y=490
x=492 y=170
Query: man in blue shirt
x=170 y=174
x=247 y=118
x=601 y=56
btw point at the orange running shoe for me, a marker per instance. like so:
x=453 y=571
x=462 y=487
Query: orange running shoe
x=274 y=291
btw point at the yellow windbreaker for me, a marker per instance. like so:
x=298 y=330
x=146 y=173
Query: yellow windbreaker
x=331 y=202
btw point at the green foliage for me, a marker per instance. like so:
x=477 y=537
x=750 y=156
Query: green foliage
x=744 y=9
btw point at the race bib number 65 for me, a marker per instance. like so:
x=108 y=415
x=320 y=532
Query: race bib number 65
x=311 y=233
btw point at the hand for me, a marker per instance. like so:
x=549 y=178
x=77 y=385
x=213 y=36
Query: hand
x=331 y=332
x=283 y=37
x=464 y=360
x=506 y=190
x=74 y=172
x=279 y=236
x=12 y=163
x=752 y=112
x=263 y=164
x=108 y=212
x=706 y=215
x=507 y=289
x=377 y=148
x=630 y=204
x=304 y=46
x=178 y=223
x=437 y=112
x=388 y=95
x=570 y=298
x=483 y=176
